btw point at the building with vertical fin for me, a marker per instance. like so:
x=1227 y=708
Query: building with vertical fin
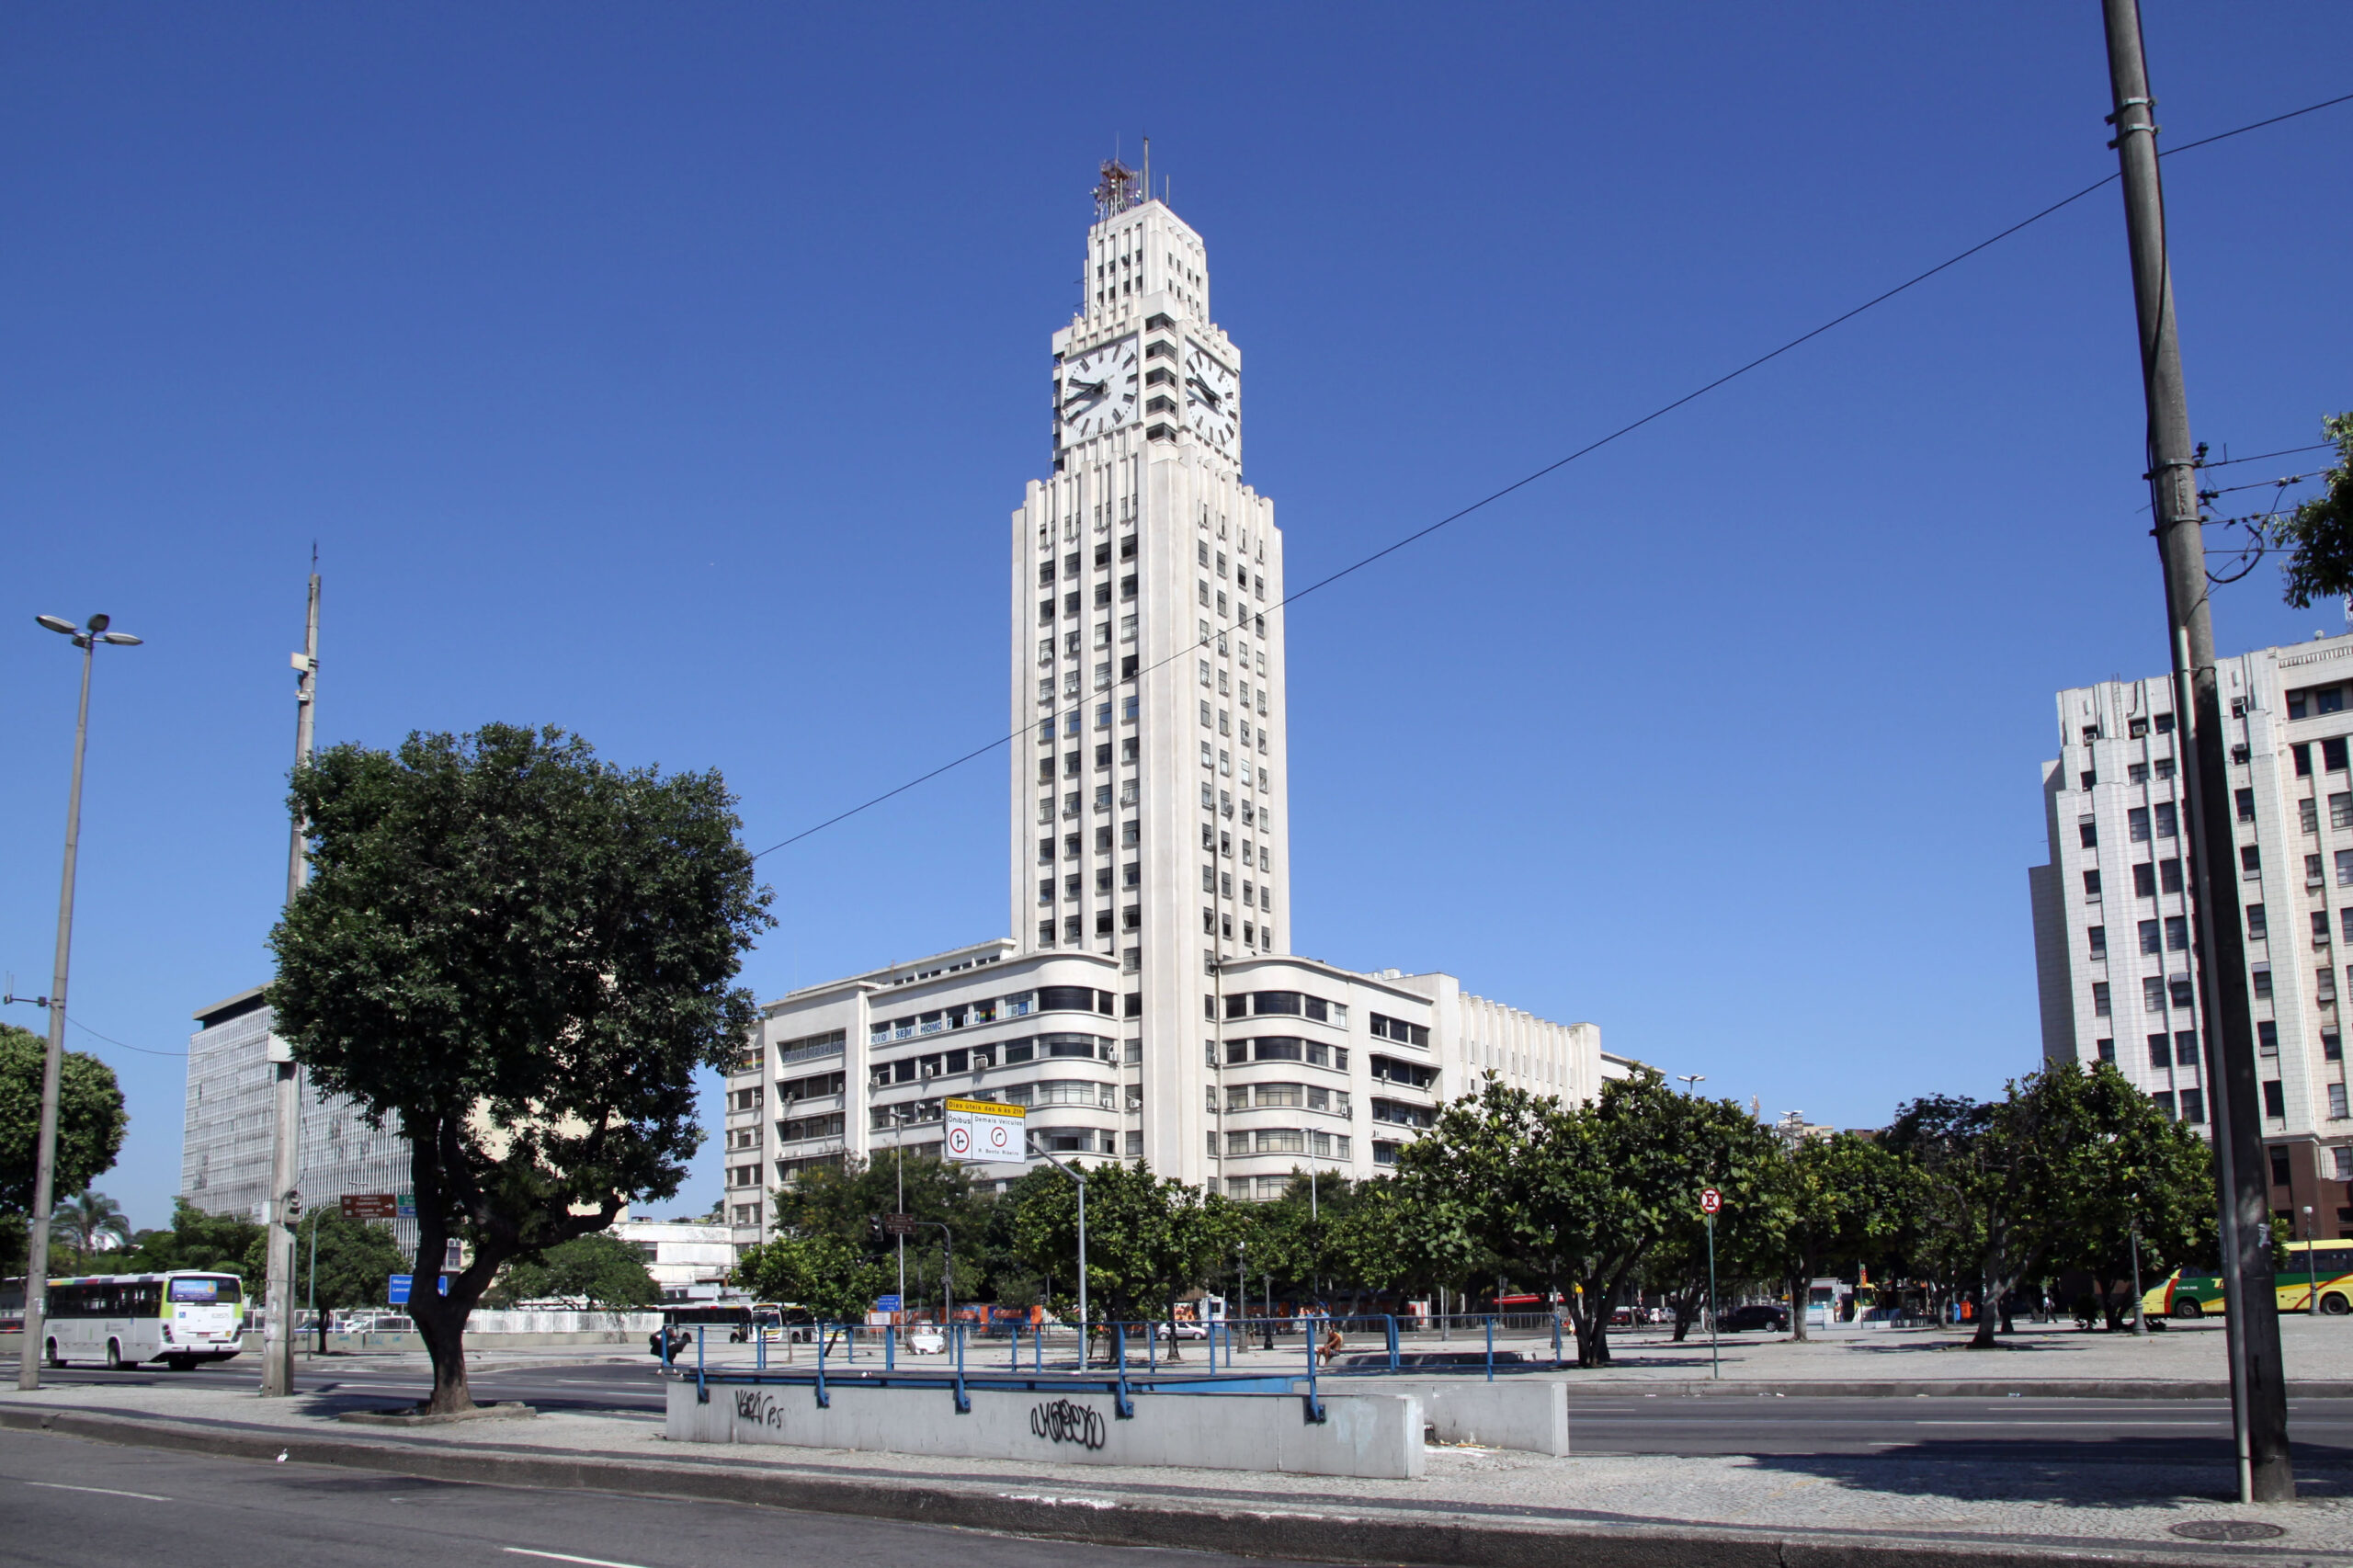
x=1147 y=1003
x=2114 y=929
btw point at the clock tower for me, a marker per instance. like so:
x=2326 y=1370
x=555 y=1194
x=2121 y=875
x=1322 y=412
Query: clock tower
x=1150 y=823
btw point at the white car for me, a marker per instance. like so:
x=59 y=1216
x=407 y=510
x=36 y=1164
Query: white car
x=1185 y=1329
x=926 y=1340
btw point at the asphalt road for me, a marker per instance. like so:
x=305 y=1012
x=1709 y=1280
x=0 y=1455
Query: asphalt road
x=82 y=1505
x=1616 y=1420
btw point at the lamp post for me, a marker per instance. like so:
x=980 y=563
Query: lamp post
x=1076 y=1175
x=1688 y=1079
x=2312 y=1277
x=88 y=638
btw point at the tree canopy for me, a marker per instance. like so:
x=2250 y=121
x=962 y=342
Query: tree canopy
x=2319 y=534
x=90 y=1123
x=520 y=955
x=601 y=1271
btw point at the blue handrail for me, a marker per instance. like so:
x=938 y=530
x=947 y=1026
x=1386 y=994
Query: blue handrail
x=1121 y=1403
x=963 y=1400
x=702 y=1389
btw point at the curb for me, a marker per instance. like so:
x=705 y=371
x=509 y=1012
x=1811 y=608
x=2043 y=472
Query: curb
x=2046 y=1388
x=1242 y=1531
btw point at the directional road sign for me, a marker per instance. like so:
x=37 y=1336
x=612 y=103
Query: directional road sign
x=370 y=1206
x=983 y=1130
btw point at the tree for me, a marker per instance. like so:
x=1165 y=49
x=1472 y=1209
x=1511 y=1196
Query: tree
x=1578 y=1197
x=90 y=1125
x=354 y=1261
x=520 y=956
x=2318 y=535
x=213 y=1243
x=602 y=1271
x=1149 y=1239
x=823 y=1273
x=1406 y=1234
x=81 y=1220
x=1826 y=1200
x=2129 y=1171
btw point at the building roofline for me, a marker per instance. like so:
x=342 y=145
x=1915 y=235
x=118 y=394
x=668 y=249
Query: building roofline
x=220 y=1012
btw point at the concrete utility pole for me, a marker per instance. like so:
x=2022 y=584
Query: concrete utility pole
x=278 y=1308
x=2259 y=1385
x=53 y=1062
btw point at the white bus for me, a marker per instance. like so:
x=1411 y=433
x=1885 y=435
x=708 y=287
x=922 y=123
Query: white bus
x=124 y=1320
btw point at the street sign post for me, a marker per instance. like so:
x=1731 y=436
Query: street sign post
x=898 y=1225
x=1711 y=1201
x=404 y=1205
x=983 y=1130
x=370 y=1206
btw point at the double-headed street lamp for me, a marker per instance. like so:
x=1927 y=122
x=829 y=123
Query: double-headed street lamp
x=88 y=638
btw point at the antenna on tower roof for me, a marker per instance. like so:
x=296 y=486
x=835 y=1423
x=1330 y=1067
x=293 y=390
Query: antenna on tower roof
x=1117 y=191
x=1147 y=168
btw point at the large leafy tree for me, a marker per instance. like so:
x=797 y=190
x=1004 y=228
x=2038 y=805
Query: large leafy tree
x=2319 y=535
x=520 y=956
x=601 y=1270
x=90 y=1125
x=831 y=1277
x=222 y=1242
x=2127 y=1178
x=1825 y=1201
x=1149 y=1239
x=1579 y=1197
x=1407 y=1234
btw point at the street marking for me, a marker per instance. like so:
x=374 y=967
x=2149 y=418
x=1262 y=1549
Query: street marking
x=103 y=1491
x=566 y=1557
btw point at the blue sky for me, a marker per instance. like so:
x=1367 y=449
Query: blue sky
x=668 y=373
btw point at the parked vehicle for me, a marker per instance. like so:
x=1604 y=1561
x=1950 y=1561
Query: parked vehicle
x=1756 y=1314
x=926 y=1339
x=1185 y=1329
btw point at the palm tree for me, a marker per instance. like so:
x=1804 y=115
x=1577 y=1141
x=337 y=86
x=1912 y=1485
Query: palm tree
x=83 y=1220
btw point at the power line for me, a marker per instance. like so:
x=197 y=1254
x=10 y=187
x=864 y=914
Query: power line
x=2282 y=452
x=144 y=1051
x=1586 y=451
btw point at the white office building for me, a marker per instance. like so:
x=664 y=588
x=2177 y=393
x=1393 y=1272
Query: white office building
x=2112 y=910
x=1147 y=1003
x=228 y=1134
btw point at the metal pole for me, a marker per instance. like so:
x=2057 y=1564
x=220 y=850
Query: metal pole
x=2139 y=1318
x=53 y=1062
x=1715 y=1363
x=2259 y=1387
x=278 y=1308
x=1082 y=1269
x=2312 y=1277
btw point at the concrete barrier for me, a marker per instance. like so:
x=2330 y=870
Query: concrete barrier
x=1376 y=1435
x=1525 y=1413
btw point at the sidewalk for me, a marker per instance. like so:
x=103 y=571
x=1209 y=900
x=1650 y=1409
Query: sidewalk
x=1474 y=1506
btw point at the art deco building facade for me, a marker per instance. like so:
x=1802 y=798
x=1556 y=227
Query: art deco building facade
x=2113 y=921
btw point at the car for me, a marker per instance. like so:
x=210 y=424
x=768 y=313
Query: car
x=926 y=1339
x=1756 y=1314
x=1185 y=1329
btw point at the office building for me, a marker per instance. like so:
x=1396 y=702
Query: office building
x=2113 y=923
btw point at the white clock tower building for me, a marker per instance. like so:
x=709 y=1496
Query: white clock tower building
x=1149 y=821
x=1146 y=1004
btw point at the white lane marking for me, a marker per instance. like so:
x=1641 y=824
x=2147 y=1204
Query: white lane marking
x=103 y=1491
x=2058 y=1426
x=566 y=1557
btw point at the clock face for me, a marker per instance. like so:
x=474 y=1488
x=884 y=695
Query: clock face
x=1098 y=389
x=1212 y=399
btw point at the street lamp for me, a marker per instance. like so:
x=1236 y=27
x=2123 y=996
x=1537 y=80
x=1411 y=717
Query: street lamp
x=1688 y=1079
x=2312 y=1278
x=88 y=638
x=1076 y=1175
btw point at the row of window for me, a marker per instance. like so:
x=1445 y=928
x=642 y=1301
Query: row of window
x=1411 y=1074
x=2313 y=700
x=1131 y=838
x=1074 y=931
x=1241 y=577
x=1219 y=720
x=805 y=1128
x=1221 y=801
x=1282 y=1048
x=1221 y=760
x=2136 y=728
x=2150 y=877
x=1403 y=1113
x=1214 y=924
x=801 y=1047
x=1400 y=1030
x=2332 y=756
x=1284 y=1004
x=1011 y=1052
x=1286 y=1141
x=1045 y=999
x=2174 y=930
x=815 y=1086
x=1307 y=1097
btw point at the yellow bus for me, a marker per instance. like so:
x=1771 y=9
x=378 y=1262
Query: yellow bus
x=2325 y=1268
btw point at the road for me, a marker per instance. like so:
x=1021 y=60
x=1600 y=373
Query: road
x=1618 y=1419
x=74 y=1503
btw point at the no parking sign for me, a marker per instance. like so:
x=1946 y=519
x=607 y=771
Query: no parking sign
x=983 y=1130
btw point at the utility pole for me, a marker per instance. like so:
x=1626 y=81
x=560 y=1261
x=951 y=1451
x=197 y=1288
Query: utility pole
x=2259 y=1385
x=278 y=1305
x=53 y=1062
